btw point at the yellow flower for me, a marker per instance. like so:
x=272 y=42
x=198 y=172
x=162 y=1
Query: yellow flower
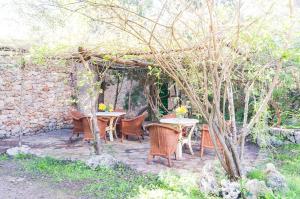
x=110 y=108
x=102 y=107
x=181 y=110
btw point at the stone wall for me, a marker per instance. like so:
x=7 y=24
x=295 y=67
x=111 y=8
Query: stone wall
x=36 y=99
x=280 y=136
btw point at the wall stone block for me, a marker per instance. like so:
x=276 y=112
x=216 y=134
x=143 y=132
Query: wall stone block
x=43 y=105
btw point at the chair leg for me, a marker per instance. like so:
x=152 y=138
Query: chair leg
x=70 y=138
x=139 y=139
x=169 y=161
x=150 y=158
x=201 y=151
x=122 y=137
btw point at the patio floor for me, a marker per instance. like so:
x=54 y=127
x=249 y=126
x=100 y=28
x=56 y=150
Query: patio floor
x=131 y=152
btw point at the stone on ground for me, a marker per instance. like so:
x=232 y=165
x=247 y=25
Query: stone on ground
x=274 y=179
x=24 y=149
x=256 y=188
x=230 y=190
x=104 y=160
x=208 y=181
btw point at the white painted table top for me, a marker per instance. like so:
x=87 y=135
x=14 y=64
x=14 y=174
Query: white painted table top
x=110 y=114
x=179 y=121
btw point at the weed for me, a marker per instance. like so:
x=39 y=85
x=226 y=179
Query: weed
x=257 y=174
x=3 y=157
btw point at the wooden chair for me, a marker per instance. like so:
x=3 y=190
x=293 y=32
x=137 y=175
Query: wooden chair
x=206 y=141
x=102 y=125
x=77 y=123
x=163 y=141
x=133 y=126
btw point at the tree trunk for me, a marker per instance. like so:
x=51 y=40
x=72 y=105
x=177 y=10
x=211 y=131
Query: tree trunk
x=94 y=127
x=117 y=92
x=275 y=105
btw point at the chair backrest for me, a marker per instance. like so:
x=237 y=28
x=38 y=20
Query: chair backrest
x=102 y=124
x=76 y=115
x=86 y=124
x=170 y=115
x=206 y=139
x=140 y=119
x=163 y=139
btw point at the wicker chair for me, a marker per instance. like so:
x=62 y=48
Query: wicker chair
x=170 y=115
x=133 y=126
x=102 y=125
x=206 y=141
x=117 y=123
x=77 y=123
x=187 y=135
x=163 y=141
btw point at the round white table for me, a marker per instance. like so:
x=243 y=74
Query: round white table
x=180 y=122
x=113 y=117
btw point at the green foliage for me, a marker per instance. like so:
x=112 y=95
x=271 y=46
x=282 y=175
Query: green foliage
x=287 y=159
x=257 y=174
x=39 y=54
x=117 y=182
x=3 y=157
x=21 y=156
x=137 y=97
x=182 y=186
x=260 y=133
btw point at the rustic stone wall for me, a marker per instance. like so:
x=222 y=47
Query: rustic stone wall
x=36 y=99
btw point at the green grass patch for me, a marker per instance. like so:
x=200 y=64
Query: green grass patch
x=287 y=159
x=118 y=182
x=3 y=157
x=257 y=174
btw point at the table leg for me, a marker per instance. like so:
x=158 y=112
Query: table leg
x=179 y=145
x=111 y=122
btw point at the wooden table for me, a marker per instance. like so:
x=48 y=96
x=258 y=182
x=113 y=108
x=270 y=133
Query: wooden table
x=113 y=117
x=180 y=122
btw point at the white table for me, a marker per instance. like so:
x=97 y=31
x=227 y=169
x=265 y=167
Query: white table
x=113 y=117
x=180 y=122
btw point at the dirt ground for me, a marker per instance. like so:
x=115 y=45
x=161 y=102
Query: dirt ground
x=15 y=183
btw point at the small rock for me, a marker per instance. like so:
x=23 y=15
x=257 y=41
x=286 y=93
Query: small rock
x=275 y=142
x=291 y=137
x=24 y=149
x=104 y=160
x=297 y=137
x=274 y=179
x=208 y=182
x=256 y=188
x=230 y=190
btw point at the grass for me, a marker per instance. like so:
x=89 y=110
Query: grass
x=257 y=174
x=3 y=157
x=118 y=182
x=287 y=160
